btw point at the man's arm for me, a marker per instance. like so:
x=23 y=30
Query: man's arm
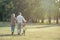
x=24 y=19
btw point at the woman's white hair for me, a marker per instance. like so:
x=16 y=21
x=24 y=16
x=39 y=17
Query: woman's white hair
x=13 y=14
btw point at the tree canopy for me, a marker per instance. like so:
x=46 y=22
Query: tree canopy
x=31 y=9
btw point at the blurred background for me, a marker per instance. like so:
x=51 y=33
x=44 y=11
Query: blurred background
x=43 y=19
x=35 y=11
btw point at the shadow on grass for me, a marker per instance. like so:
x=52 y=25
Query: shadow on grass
x=47 y=26
x=2 y=35
x=50 y=25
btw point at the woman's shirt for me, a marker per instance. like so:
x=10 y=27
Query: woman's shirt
x=13 y=20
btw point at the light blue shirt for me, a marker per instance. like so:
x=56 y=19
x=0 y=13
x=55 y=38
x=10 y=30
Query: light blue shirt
x=20 y=19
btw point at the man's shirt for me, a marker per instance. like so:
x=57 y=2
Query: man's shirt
x=20 y=19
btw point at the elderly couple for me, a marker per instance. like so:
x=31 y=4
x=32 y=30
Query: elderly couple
x=19 y=20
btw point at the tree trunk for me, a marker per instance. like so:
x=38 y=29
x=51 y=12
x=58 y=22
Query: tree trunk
x=57 y=20
x=42 y=20
x=49 y=20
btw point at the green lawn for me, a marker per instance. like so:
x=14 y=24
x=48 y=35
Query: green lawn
x=33 y=32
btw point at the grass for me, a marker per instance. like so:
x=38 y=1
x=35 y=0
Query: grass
x=33 y=32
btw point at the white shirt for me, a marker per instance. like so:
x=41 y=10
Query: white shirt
x=20 y=19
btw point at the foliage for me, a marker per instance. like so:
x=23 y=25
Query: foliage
x=31 y=9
